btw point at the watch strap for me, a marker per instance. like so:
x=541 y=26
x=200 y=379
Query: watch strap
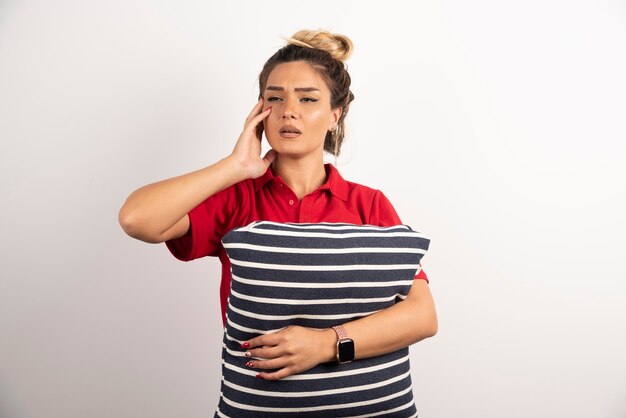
x=341 y=332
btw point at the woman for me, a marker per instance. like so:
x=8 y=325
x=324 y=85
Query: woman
x=303 y=102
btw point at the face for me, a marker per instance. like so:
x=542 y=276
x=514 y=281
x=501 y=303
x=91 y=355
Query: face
x=301 y=112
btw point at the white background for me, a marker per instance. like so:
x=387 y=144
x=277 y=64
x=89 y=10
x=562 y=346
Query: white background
x=497 y=128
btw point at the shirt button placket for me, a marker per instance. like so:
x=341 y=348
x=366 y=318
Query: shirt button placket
x=306 y=209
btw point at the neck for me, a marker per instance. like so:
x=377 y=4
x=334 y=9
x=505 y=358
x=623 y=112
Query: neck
x=302 y=176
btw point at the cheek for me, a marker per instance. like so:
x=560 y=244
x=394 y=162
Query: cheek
x=269 y=123
x=320 y=118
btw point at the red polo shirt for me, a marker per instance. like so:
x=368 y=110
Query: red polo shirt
x=269 y=198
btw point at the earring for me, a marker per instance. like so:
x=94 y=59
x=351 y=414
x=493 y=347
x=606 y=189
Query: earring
x=335 y=143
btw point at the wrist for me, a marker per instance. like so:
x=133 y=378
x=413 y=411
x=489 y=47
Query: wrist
x=246 y=167
x=329 y=345
x=345 y=345
x=233 y=169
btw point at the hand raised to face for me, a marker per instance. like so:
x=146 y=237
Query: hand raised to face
x=247 y=150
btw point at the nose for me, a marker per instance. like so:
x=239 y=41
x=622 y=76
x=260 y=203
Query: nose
x=290 y=109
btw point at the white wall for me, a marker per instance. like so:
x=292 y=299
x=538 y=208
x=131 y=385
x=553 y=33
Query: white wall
x=495 y=127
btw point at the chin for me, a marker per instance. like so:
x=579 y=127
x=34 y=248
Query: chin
x=294 y=149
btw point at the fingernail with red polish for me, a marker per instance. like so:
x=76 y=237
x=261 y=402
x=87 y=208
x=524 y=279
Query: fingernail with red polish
x=247 y=354
x=245 y=345
x=260 y=377
x=249 y=364
x=268 y=108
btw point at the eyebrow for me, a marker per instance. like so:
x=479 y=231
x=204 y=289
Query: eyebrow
x=278 y=88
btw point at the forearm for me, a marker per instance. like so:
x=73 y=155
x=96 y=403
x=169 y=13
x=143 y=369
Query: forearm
x=396 y=327
x=158 y=212
x=295 y=349
x=152 y=210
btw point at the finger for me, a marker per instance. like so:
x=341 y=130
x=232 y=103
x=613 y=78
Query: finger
x=269 y=157
x=252 y=123
x=277 y=375
x=271 y=364
x=266 y=353
x=255 y=111
x=268 y=340
x=256 y=116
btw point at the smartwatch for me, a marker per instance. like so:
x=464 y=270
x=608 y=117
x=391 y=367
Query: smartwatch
x=345 y=346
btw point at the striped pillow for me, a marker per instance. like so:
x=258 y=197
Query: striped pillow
x=316 y=275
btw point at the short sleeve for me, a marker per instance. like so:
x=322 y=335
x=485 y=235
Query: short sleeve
x=384 y=214
x=211 y=220
x=422 y=276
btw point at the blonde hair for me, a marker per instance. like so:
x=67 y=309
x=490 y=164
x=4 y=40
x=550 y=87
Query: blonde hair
x=338 y=46
x=326 y=53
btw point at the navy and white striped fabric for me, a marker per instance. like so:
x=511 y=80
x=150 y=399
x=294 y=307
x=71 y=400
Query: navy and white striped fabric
x=316 y=275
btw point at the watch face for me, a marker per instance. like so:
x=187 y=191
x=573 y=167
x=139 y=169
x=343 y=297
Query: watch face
x=345 y=350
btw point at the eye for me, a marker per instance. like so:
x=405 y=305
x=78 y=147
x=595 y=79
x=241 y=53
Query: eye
x=309 y=99
x=273 y=98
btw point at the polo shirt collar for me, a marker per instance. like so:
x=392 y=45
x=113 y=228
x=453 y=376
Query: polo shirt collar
x=259 y=182
x=334 y=182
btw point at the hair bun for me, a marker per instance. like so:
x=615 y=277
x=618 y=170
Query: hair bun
x=338 y=46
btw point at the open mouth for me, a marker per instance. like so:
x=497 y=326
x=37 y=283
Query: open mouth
x=290 y=130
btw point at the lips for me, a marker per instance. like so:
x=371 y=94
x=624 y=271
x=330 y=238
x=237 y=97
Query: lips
x=288 y=129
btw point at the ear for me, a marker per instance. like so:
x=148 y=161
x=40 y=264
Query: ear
x=334 y=117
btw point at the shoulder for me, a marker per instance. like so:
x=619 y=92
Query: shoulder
x=361 y=192
x=348 y=190
x=371 y=204
x=365 y=193
x=361 y=188
x=374 y=203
